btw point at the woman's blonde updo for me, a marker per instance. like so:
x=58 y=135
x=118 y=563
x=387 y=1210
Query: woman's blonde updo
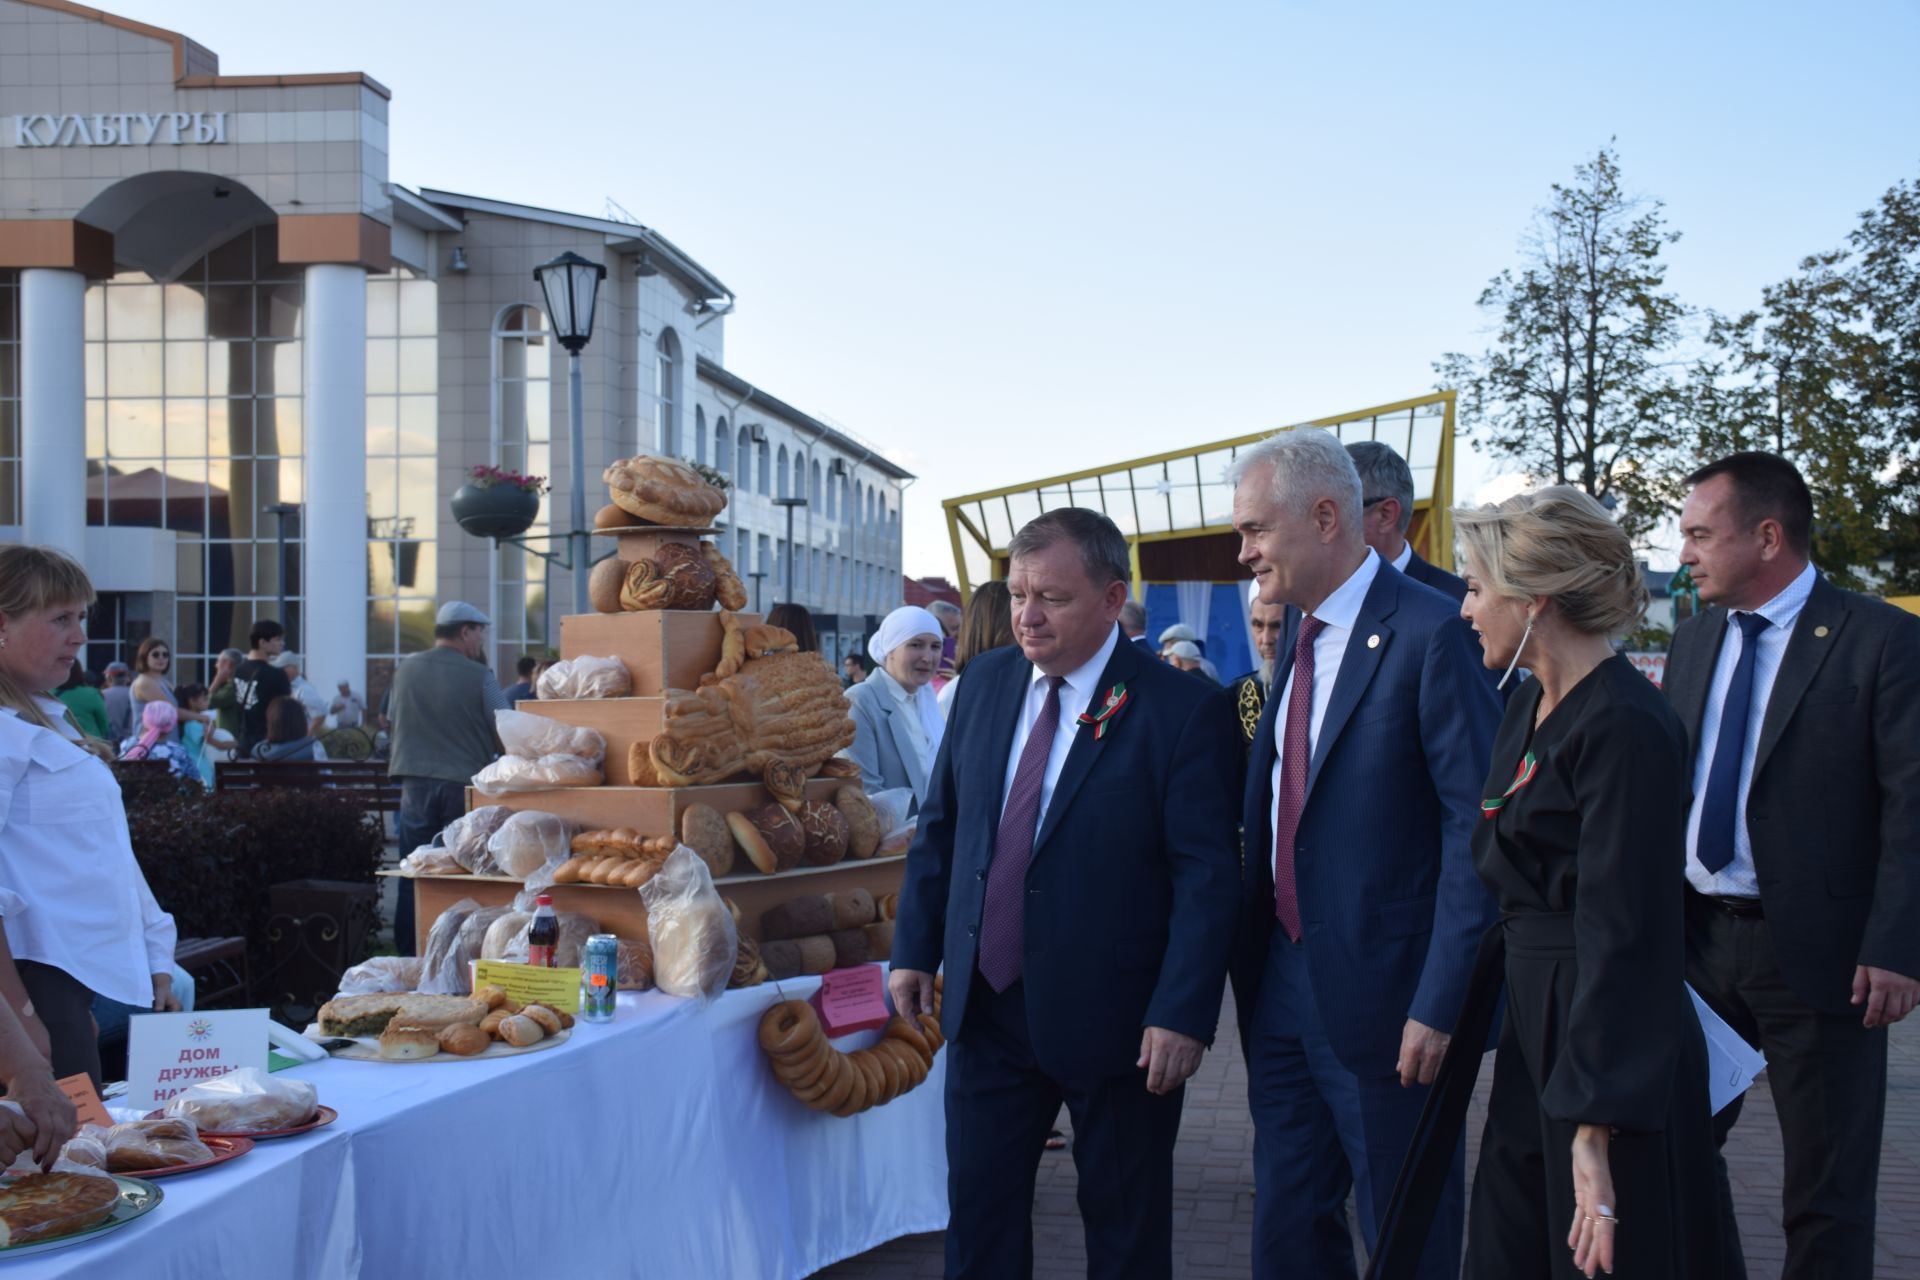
x=33 y=580
x=1559 y=543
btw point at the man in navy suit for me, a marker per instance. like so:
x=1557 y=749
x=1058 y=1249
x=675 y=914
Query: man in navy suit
x=1075 y=871
x=1386 y=504
x=1362 y=912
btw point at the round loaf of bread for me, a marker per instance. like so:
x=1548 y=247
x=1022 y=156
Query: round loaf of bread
x=407 y=1043
x=464 y=1040
x=689 y=579
x=663 y=491
x=880 y=939
x=521 y=1031
x=826 y=834
x=612 y=517
x=770 y=837
x=817 y=955
x=549 y=1019
x=851 y=908
x=863 y=821
x=705 y=832
x=799 y=917
x=604 y=583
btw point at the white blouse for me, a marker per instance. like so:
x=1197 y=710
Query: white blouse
x=66 y=854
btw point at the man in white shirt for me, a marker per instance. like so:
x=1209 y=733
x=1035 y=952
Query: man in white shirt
x=1074 y=872
x=1362 y=912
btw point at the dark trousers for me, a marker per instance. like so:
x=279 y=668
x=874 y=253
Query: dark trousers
x=1000 y=1104
x=65 y=1008
x=1321 y=1130
x=1828 y=1076
x=426 y=806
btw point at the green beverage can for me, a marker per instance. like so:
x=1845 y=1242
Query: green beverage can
x=599 y=977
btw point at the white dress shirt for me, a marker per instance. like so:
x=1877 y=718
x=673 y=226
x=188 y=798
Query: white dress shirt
x=1738 y=879
x=1339 y=611
x=65 y=851
x=1076 y=695
x=1405 y=557
x=906 y=706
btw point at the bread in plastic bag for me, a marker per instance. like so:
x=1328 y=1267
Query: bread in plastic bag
x=248 y=1100
x=530 y=737
x=530 y=840
x=635 y=965
x=467 y=947
x=585 y=677
x=690 y=928
x=438 y=974
x=431 y=860
x=516 y=773
x=465 y=838
x=501 y=934
x=897 y=820
x=382 y=974
x=141 y=1145
x=86 y=1147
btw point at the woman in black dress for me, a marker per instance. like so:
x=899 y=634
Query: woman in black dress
x=1598 y=1152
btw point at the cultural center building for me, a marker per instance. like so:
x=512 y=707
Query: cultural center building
x=242 y=372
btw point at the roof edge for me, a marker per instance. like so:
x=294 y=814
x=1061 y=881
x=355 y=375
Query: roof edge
x=823 y=431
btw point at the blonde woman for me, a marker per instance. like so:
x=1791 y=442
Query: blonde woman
x=87 y=922
x=1597 y=1155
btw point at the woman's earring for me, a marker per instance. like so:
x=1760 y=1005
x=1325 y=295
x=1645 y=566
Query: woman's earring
x=1517 y=651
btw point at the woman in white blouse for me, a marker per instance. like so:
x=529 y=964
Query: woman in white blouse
x=87 y=923
x=897 y=720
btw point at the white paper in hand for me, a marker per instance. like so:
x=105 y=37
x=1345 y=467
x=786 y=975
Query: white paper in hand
x=1732 y=1063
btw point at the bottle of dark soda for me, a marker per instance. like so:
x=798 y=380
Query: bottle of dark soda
x=543 y=935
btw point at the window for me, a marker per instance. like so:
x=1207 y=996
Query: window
x=853 y=515
x=723 y=449
x=402 y=457
x=814 y=493
x=799 y=474
x=832 y=490
x=666 y=373
x=743 y=455
x=522 y=436
x=846 y=500
x=766 y=464
x=781 y=482
x=699 y=434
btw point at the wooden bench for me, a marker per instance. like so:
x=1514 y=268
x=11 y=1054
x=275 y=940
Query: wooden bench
x=368 y=778
x=222 y=961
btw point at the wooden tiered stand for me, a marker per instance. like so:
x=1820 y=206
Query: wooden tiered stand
x=662 y=650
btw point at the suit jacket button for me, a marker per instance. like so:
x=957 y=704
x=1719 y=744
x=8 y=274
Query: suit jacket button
x=982 y=873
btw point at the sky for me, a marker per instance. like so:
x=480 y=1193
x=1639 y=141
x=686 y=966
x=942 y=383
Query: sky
x=1005 y=241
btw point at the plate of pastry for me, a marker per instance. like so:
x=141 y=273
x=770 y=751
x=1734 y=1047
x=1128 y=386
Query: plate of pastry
x=40 y=1212
x=417 y=1028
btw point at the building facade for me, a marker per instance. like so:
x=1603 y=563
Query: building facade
x=242 y=372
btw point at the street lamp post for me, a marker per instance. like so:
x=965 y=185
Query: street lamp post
x=756 y=575
x=790 y=504
x=571 y=286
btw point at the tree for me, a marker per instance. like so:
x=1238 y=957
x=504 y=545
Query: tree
x=1576 y=385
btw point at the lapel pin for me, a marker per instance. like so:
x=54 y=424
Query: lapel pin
x=1373 y=641
x=1821 y=632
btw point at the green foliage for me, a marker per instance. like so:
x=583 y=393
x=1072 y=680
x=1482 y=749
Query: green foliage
x=210 y=859
x=1575 y=386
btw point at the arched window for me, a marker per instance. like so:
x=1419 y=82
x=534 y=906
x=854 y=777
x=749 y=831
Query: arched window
x=722 y=448
x=814 y=493
x=846 y=500
x=699 y=434
x=666 y=392
x=853 y=515
x=743 y=454
x=867 y=520
x=799 y=474
x=781 y=484
x=766 y=465
x=522 y=439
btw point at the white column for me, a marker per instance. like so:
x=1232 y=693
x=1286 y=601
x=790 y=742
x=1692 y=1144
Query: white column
x=53 y=408
x=334 y=618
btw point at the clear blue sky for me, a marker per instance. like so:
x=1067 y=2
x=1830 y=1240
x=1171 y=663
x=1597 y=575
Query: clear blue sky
x=1006 y=240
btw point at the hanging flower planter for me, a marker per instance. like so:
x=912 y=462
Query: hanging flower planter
x=494 y=503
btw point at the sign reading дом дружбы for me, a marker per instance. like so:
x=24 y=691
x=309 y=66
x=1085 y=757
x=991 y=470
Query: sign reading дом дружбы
x=120 y=129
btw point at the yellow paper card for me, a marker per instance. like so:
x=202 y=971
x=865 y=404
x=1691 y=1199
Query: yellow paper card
x=559 y=988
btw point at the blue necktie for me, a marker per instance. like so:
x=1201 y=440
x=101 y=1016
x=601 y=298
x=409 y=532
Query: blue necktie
x=1720 y=812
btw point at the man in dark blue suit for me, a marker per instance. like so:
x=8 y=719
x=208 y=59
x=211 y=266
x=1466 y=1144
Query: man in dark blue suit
x=1362 y=912
x=1386 y=504
x=1075 y=871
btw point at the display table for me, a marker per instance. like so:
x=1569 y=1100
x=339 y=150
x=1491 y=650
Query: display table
x=657 y=1145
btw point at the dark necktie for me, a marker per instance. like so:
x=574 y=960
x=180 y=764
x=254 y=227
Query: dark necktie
x=1296 y=753
x=1003 y=920
x=1719 y=814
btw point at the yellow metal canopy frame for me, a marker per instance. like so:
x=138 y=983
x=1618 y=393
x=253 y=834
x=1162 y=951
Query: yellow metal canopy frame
x=1175 y=508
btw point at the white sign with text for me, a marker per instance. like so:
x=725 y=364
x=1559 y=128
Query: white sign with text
x=168 y=1052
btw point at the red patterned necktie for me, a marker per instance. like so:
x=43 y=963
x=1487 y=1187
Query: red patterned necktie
x=1003 y=919
x=1296 y=754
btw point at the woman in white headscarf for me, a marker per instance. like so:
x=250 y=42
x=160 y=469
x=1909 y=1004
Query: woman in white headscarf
x=896 y=717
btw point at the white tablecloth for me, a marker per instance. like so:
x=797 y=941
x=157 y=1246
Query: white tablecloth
x=658 y=1145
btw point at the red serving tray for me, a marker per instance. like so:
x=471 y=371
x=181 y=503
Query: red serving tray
x=323 y=1115
x=224 y=1149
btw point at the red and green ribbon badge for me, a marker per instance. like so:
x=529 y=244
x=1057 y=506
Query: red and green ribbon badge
x=1116 y=699
x=1521 y=777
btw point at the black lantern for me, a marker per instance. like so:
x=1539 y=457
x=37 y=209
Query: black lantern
x=571 y=285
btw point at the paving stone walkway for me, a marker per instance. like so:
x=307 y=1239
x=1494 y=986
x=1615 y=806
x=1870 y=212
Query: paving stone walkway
x=1213 y=1179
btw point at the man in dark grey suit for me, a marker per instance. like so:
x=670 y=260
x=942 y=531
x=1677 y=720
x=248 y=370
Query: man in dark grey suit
x=1802 y=702
x=1386 y=502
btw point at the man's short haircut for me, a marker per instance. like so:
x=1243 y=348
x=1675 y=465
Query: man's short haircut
x=451 y=630
x=1133 y=616
x=1766 y=486
x=1383 y=474
x=526 y=665
x=1103 y=548
x=1307 y=464
x=264 y=630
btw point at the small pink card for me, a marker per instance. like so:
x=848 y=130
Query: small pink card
x=851 y=1000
